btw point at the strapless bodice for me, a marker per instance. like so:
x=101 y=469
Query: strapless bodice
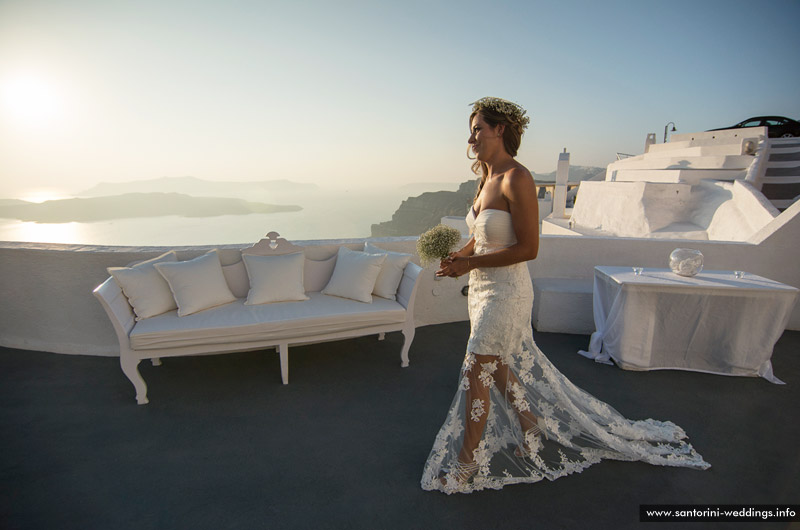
x=492 y=229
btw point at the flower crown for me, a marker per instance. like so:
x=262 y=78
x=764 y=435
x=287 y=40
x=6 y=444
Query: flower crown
x=514 y=112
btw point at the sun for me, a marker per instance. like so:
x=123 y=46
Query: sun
x=29 y=99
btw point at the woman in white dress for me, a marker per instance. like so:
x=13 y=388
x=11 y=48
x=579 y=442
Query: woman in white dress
x=515 y=418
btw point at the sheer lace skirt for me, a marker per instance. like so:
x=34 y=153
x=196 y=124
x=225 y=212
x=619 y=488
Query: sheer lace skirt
x=509 y=385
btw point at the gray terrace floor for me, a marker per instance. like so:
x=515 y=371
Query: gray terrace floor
x=224 y=445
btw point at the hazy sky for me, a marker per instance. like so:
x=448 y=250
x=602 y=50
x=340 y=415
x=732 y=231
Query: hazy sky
x=361 y=93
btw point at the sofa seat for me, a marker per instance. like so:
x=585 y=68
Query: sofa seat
x=236 y=322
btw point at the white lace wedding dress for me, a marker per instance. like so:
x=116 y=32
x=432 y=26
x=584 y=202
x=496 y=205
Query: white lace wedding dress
x=579 y=430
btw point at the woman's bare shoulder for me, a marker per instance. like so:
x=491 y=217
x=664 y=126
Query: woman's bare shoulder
x=519 y=179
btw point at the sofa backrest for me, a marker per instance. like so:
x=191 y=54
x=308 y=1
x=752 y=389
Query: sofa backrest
x=317 y=270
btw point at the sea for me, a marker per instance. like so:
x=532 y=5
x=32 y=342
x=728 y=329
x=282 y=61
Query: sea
x=325 y=214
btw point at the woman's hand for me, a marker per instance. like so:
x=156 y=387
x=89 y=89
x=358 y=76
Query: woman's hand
x=453 y=266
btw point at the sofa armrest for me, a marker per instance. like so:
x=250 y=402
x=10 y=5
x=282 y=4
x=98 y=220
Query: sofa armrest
x=117 y=308
x=407 y=291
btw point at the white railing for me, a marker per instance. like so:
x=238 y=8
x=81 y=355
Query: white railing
x=755 y=173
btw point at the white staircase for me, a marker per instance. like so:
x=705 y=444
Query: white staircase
x=781 y=180
x=699 y=186
x=692 y=158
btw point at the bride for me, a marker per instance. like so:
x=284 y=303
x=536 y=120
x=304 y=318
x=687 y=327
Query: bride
x=515 y=418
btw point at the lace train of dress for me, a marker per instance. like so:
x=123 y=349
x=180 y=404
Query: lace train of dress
x=506 y=380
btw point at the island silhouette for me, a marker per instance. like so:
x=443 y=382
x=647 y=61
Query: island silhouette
x=129 y=205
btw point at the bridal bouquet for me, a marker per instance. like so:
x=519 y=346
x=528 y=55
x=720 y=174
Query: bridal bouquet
x=437 y=243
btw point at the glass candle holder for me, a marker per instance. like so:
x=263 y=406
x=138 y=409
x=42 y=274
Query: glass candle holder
x=686 y=261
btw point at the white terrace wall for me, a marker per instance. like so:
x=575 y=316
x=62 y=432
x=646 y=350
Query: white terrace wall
x=47 y=302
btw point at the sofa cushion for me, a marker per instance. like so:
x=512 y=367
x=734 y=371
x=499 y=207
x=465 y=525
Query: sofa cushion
x=236 y=276
x=391 y=272
x=275 y=278
x=198 y=284
x=318 y=273
x=146 y=290
x=237 y=322
x=354 y=275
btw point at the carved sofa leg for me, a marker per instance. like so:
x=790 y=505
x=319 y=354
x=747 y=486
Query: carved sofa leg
x=409 y=338
x=130 y=368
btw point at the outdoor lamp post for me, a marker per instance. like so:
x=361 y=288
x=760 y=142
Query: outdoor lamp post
x=665 y=130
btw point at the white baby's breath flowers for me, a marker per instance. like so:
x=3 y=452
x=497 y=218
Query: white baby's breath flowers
x=514 y=112
x=437 y=243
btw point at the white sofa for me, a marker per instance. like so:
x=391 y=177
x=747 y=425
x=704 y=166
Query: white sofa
x=237 y=326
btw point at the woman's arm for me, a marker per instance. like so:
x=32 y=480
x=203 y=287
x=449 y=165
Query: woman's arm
x=466 y=250
x=519 y=190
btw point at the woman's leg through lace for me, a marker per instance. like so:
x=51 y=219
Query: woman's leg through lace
x=488 y=370
x=477 y=407
x=505 y=378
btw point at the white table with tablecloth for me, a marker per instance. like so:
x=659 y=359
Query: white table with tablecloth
x=713 y=322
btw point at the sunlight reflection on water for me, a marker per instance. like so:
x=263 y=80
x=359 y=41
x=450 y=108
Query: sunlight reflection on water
x=180 y=231
x=41 y=232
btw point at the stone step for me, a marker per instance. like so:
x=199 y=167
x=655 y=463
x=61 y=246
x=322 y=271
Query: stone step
x=784 y=163
x=688 y=176
x=787 y=149
x=780 y=191
x=784 y=156
x=723 y=136
x=781 y=171
x=790 y=179
x=687 y=149
x=687 y=162
x=788 y=143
